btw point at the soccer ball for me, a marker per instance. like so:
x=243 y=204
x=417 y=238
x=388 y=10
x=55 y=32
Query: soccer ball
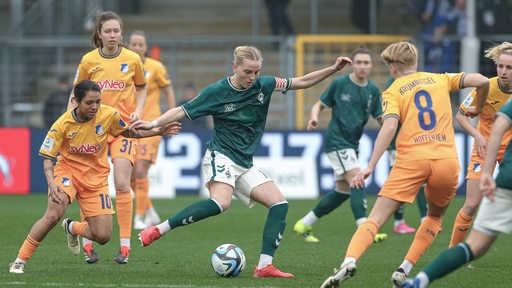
x=228 y=260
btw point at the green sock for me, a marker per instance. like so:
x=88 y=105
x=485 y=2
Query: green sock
x=448 y=261
x=422 y=202
x=358 y=202
x=194 y=212
x=274 y=228
x=399 y=213
x=329 y=202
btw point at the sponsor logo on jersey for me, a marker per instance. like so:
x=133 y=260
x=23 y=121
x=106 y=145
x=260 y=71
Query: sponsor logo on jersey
x=111 y=84
x=66 y=182
x=124 y=67
x=48 y=144
x=72 y=134
x=495 y=102
x=229 y=107
x=99 y=129
x=85 y=148
x=95 y=69
x=5 y=170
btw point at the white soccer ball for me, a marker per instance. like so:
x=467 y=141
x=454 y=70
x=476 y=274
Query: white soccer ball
x=228 y=260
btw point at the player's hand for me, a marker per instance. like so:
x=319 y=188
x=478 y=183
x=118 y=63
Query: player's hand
x=341 y=62
x=481 y=145
x=55 y=193
x=312 y=124
x=140 y=125
x=358 y=180
x=487 y=185
x=171 y=129
x=472 y=112
x=134 y=117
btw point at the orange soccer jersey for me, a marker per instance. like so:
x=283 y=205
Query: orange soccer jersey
x=496 y=98
x=83 y=145
x=157 y=78
x=117 y=75
x=421 y=102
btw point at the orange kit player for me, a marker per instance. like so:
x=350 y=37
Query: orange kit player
x=500 y=91
x=426 y=153
x=80 y=137
x=120 y=74
x=158 y=80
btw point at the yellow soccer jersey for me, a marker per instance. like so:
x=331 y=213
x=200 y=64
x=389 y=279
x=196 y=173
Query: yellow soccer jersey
x=157 y=78
x=83 y=145
x=421 y=102
x=116 y=74
x=496 y=98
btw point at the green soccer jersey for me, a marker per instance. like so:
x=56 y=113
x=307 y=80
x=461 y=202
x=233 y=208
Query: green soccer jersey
x=351 y=104
x=239 y=116
x=503 y=179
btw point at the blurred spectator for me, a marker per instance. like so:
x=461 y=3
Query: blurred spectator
x=278 y=17
x=57 y=102
x=201 y=123
x=493 y=17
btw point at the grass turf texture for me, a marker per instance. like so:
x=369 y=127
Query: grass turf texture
x=182 y=257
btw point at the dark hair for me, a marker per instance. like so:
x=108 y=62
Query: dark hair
x=83 y=87
x=361 y=49
x=100 y=19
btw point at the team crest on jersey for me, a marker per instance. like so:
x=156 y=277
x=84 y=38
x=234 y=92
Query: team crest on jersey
x=66 y=181
x=260 y=97
x=99 y=129
x=345 y=97
x=124 y=67
x=477 y=167
x=229 y=107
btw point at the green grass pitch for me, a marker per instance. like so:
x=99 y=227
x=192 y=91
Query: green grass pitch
x=182 y=257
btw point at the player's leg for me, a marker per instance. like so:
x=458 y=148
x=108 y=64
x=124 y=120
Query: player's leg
x=466 y=214
x=140 y=187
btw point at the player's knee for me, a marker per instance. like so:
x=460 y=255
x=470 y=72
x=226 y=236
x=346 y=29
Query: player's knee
x=470 y=209
x=102 y=238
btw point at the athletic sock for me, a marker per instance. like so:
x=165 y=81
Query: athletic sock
x=194 y=213
x=28 y=248
x=274 y=228
x=425 y=234
x=362 y=239
x=124 y=209
x=460 y=228
x=329 y=202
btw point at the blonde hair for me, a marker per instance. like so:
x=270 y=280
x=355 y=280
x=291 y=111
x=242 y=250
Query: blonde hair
x=495 y=52
x=100 y=19
x=246 y=52
x=402 y=54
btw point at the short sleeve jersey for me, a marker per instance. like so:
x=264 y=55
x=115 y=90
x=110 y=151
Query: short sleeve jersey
x=421 y=102
x=496 y=98
x=83 y=145
x=352 y=105
x=116 y=74
x=503 y=179
x=157 y=78
x=392 y=145
x=239 y=116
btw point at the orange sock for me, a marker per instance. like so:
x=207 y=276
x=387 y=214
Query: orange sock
x=28 y=248
x=362 y=239
x=425 y=235
x=141 y=195
x=124 y=209
x=460 y=228
x=78 y=228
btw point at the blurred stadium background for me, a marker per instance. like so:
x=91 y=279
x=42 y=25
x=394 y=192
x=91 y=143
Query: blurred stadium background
x=42 y=39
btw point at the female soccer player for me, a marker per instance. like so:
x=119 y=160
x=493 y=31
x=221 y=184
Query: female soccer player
x=78 y=141
x=239 y=105
x=157 y=80
x=426 y=152
x=120 y=74
x=499 y=92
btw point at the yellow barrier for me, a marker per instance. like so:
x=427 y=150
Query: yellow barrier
x=313 y=52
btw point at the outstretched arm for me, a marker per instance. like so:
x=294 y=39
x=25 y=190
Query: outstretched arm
x=318 y=76
x=481 y=83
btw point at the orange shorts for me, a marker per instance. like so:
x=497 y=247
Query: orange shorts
x=92 y=201
x=406 y=178
x=122 y=147
x=147 y=148
x=476 y=164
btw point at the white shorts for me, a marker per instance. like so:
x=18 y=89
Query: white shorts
x=495 y=217
x=342 y=161
x=218 y=167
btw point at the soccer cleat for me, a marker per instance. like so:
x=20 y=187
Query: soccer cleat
x=403 y=228
x=340 y=275
x=91 y=256
x=17 y=268
x=411 y=283
x=306 y=231
x=151 y=219
x=73 y=243
x=149 y=235
x=122 y=256
x=398 y=278
x=138 y=223
x=380 y=237
x=270 y=271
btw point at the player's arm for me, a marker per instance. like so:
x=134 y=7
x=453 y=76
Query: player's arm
x=315 y=112
x=140 y=98
x=53 y=188
x=318 y=76
x=169 y=96
x=480 y=141
x=168 y=130
x=171 y=115
x=487 y=183
x=481 y=83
